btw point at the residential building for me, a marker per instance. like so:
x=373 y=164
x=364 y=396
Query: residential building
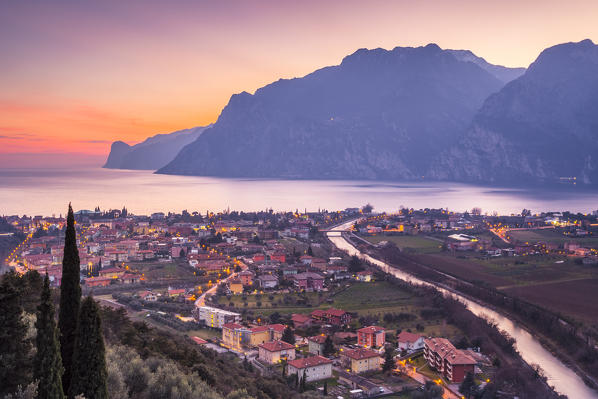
x=214 y=317
x=410 y=342
x=235 y=286
x=314 y=368
x=332 y=316
x=98 y=281
x=361 y=360
x=364 y=276
x=301 y=320
x=371 y=337
x=309 y=281
x=452 y=363
x=231 y=336
x=148 y=296
x=238 y=337
x=275 y=351
x=315 y=344
x=268 y=281
x=246 y=277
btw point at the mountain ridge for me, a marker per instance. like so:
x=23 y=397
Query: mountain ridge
x=152 y=153
x=364 y=118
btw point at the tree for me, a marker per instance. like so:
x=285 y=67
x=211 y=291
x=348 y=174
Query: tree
x=468 y=385
x=70 y=299
x=89 y=374
x=47 y=364
x=328 y=349
x=368 y=208
x=13 y=343
x=430 y=391
x=355 y=264
x=302 y=384
x=389 y=359
x=325 y=388
x=288 y=336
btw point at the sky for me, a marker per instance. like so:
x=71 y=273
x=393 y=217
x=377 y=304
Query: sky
x=77 y=75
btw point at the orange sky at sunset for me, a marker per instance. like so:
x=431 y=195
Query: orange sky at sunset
x=77 y=76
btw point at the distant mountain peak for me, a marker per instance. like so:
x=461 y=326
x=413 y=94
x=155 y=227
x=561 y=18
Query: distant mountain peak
x=152 y=153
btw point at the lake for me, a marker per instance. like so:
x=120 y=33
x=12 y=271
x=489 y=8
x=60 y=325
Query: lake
x=48 y=191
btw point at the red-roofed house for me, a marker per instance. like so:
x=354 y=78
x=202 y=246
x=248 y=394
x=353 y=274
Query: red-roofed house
x=148 y=296
x=451 y=362
x=332 y=316
x=275 y=351
x=301 y=320
x=315 y=344
x=361 y=360
x=371 y=337
x=315 y=368
x=409 y=341
x=98 y=281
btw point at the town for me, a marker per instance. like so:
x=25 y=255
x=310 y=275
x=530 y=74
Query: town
x=271 y=289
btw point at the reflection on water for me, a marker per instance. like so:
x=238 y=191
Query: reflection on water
x=46 y=191
x=564 y=380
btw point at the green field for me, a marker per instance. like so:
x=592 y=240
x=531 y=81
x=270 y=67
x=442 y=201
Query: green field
x=374 y=298
x=417 y=244
x=551 y=235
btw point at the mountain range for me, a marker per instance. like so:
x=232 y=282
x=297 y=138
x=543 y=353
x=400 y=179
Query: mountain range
x=411 y=113
x=541 y=127
x=153 y=153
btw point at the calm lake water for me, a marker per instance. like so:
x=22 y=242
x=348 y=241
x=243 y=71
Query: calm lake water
x=48 y=191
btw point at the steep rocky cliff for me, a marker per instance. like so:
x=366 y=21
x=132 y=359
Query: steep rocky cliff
x=378 y=115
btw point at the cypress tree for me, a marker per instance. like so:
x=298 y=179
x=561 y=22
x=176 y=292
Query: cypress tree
x=13 y=345
x=302 y=384
x=328 y=349
x=89 y=373
x=389 y=359
x=47 y=364
x=288 y=336
x=70 y=299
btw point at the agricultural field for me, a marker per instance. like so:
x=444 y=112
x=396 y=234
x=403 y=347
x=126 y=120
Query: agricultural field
x=576 y=298
x=163 y=270
x=551 y=235
x=374 y=299
x=417 y=244
x=552 y=281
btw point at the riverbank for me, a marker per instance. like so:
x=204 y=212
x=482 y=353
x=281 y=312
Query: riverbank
x=565 y=380
x=464 y=288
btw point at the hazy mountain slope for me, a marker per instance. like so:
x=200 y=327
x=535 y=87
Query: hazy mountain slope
x=153 y=153
x=378 y=115
x=504 y=74
x=539 y=127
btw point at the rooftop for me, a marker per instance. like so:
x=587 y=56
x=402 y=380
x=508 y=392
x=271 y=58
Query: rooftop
x=312 y=361
x=276 y=346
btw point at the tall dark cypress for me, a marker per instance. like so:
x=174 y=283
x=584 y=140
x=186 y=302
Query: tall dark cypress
x=47 y=364
x=89 y=362
x=70 y=299
x=13 y=346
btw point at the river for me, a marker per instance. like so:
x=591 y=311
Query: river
x=48 y=191
x=564 y=380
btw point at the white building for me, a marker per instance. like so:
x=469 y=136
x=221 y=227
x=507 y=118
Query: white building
x=214 y=317
x=316 y=368
x=409 y=341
